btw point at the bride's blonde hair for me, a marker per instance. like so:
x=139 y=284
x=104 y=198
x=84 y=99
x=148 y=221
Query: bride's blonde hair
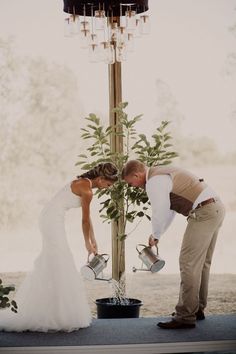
x=106 y=170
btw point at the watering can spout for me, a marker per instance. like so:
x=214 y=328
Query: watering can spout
x=134 y=269
x=104 y=279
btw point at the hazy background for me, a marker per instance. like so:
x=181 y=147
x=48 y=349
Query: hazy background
x=184 y=71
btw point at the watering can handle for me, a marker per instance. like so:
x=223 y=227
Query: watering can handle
x=157 y=249
x=140 y=244
x=105 y=254
x=89 y=254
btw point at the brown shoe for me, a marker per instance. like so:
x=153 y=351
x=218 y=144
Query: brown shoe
x=199 y=315
x=173 y=324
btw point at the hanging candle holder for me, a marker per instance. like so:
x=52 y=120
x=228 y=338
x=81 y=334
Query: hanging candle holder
x=130 y=20
x=94 y=56
x=121 y=52
x=137 y=31
x=84 y=38
x=130 y=42
x=72 y=24
x=67 y=29
x=107 y=28
x=110 y=54
x=145 y=24
x=100 y=20
x=121 y=37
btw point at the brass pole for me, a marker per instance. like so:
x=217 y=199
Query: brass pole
x=115 y=97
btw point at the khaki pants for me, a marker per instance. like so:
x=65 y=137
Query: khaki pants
x=195 y=259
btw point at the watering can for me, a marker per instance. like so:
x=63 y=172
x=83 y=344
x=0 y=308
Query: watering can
x=95 y=266
x=152 y=261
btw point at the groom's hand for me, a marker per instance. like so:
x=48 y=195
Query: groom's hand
x=152 y=241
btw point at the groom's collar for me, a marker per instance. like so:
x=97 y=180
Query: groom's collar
x=147 y=173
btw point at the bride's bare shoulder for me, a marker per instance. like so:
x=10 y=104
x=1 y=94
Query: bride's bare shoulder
x=80 y=186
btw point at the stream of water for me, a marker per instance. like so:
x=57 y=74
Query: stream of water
x=118 y=292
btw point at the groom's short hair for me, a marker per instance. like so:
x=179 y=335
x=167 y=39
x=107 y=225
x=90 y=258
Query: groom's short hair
x=131 y=167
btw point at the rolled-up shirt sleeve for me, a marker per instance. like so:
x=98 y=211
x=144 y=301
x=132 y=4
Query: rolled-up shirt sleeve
x=158 y=189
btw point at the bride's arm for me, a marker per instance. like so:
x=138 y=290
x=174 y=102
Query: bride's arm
x=86 y=226
x=92 y=237
x=85 y=198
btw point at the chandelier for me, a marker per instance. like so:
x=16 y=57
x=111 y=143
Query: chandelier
x=107 y=28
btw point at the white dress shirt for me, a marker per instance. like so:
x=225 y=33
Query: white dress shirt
x=158 y=189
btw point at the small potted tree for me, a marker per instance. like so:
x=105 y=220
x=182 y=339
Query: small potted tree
x=4 y=299
x=122 y=201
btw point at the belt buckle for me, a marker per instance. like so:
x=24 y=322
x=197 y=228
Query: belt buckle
x=205 y=202
x=192 y=214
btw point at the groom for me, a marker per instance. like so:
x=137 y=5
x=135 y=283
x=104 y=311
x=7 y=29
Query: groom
x=171 y=189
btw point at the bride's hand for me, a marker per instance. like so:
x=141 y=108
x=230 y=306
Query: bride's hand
x=90 y=248
x=94 y=244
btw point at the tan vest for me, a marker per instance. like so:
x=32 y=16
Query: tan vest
x=186 y=187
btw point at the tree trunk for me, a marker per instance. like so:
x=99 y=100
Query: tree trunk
x=115 y=97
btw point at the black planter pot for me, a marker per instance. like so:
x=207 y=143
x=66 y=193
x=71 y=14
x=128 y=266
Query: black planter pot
x=107 y=308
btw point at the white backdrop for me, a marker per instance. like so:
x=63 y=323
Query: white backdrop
x=185 y=71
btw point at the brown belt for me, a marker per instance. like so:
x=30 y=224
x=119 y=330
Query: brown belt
x=205 y=202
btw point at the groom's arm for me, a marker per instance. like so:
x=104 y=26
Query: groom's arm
x=158 y=190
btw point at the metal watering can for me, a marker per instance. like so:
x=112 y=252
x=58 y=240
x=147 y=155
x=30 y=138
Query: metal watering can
x=95 y=266
x=152 y=261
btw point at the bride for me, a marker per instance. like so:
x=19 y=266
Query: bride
x=52 y=297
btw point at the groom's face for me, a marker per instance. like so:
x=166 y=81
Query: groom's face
x=135 y=180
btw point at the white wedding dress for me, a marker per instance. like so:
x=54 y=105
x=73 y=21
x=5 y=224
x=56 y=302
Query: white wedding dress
x=52 y=297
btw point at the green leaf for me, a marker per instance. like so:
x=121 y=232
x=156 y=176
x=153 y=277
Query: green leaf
x=92 y=127
x=79 y=163
x=86 y=136
x=122 y=237
x=92 y=117
x=83 y=155
x=14 y=304
x=86 y=167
